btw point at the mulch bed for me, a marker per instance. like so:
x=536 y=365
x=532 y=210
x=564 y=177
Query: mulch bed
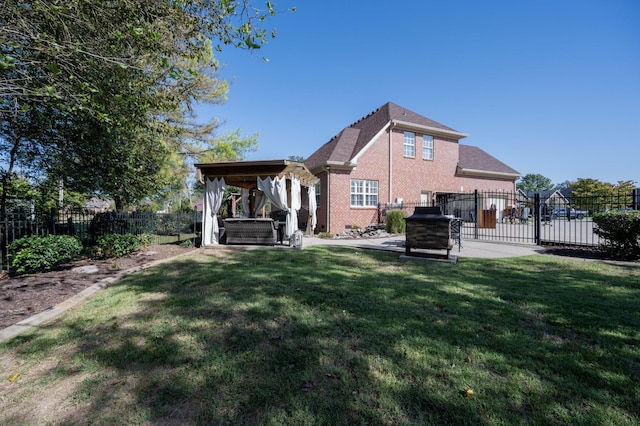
x=22 y=296
x=582 y=253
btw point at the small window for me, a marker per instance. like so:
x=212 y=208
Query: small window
x=427 y=147
x=364 y=193
x=409 y=144
x=317 y=186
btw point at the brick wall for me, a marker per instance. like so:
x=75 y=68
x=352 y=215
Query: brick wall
x=410 y=177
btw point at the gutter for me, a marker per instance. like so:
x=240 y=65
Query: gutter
x=476 y=172
x=392 y=124
x=328 y=170
x=435 y=131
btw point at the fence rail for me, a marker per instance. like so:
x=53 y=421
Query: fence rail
x=88 y=226
x=538 y=218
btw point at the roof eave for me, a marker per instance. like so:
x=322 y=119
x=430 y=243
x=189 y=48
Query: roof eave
x=249 y=170
x=333 y=165
x=428 y=129
x=486 y=173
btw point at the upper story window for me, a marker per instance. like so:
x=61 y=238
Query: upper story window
x=364 y=193
x=427 y=147
x=409 y=144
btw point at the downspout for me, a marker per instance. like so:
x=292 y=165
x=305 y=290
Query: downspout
x=328 y=170
x=390 y=199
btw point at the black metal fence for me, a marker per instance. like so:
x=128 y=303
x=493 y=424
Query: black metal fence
x=540 y=218
x=88 y=226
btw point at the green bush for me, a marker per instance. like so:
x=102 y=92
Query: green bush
x=395 y=222
x=42 y=253
x=145 y=240
x=621 y=231
x=117 y=245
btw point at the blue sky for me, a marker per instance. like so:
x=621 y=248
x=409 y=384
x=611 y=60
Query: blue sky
x=548 y=87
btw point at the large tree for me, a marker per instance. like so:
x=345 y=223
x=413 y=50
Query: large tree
x=534 y=183
x=102 y=93
x=600 y=194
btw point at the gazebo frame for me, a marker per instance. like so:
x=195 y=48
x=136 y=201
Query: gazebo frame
x=245 y=175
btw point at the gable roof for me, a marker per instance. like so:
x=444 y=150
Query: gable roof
x=352 y=140
x=472 y=161
x=545 y=196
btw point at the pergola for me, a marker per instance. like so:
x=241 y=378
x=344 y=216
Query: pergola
x=280 y=181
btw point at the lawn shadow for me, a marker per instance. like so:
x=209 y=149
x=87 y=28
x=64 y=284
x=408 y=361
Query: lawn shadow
x=344 y=335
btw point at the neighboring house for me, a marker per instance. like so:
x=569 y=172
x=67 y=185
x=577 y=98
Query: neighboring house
x=552 y=198
x=199 y=205
x=97 y=205
x=394 y=155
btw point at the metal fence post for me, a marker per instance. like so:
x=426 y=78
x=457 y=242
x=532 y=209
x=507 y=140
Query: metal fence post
x=179 y=223
x=475 y=214
x=536 y=216
x=52 y=219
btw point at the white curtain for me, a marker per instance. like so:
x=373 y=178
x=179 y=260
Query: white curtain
x=244 y=199
x=311 y=191
x=275 y=189
x=292 y=213
x=259 y=201
x=213 y=194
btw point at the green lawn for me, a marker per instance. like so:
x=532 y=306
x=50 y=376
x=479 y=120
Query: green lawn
x=327 y=336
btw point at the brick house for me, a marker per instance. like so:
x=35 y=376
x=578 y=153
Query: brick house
x=394 y=155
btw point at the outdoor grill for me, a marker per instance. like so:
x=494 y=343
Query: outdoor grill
x=428 y=229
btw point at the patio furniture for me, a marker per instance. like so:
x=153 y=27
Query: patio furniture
x=456 y=231
x=250 y=231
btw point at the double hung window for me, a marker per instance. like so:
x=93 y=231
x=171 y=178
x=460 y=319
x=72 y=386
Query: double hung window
x=364 y=193
x=427 y=147
x=409 y=144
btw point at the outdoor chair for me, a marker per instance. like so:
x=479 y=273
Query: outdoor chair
x=456 y=231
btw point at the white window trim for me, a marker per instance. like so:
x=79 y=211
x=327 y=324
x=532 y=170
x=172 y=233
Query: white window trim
x=409 y=143
x=369 y=189
x=424 y=147
x=318 y=198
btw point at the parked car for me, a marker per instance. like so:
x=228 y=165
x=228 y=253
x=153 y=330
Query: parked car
x=574 y=214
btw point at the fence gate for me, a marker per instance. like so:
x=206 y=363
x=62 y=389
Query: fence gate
x=548 y=218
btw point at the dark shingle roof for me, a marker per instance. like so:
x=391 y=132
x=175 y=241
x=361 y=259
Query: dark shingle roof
x=350 y=141
x=473 y=158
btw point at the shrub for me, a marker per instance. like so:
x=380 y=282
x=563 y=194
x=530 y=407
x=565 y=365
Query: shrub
x=395 y=222
x=621 y=231
x=145 y=240
x=42 y=253
x=325 y=235
x=186 y=243
x=117 y=245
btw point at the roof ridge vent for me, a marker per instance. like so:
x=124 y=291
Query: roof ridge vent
x=366 y=116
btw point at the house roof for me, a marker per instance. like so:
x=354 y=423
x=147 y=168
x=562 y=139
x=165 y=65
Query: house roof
x=474 y=161
x=347 y=144
x=545 y=196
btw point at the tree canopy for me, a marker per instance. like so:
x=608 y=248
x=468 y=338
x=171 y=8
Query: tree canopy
x=587 y=186
x=102 y=93
x=534 y=183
